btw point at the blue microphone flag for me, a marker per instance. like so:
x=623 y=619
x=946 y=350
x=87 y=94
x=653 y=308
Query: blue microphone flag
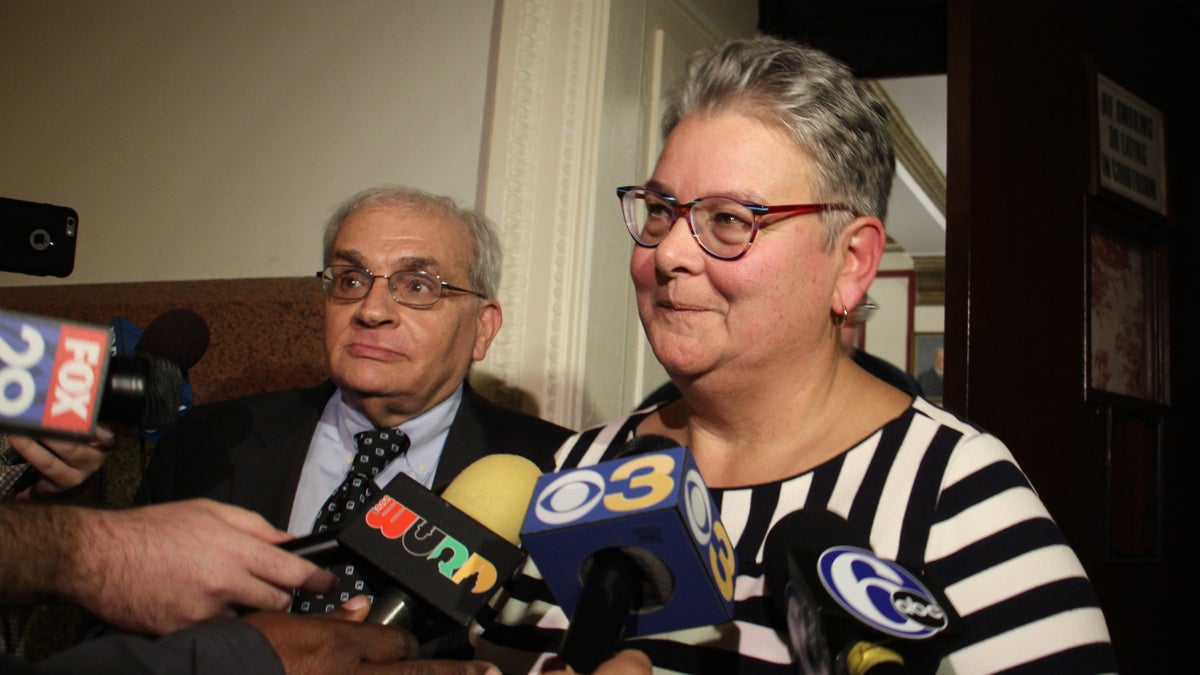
x=655 y=506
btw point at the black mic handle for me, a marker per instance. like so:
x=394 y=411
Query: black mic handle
x=15 y=473
x=392 y=607
x=321 y=548
x=610 y=592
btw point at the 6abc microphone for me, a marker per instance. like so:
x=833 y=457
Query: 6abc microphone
x=435 y=561
x=848 y=611
x=632 y=546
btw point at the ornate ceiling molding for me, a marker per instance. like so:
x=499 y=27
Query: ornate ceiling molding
x=911 y=151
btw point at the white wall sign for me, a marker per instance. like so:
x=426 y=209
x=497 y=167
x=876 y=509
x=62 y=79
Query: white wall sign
x=1132 y=161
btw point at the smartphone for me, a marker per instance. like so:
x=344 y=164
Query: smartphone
x=37 y=239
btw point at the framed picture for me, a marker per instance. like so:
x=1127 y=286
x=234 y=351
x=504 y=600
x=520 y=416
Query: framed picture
x=1127 y=347
x=927 y=359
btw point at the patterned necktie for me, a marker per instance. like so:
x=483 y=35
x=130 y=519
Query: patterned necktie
x=376 y=449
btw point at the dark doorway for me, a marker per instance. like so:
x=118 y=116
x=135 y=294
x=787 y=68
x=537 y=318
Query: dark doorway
x=1023 y=217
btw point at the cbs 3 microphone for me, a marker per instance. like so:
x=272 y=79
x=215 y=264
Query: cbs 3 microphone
x=632 y=546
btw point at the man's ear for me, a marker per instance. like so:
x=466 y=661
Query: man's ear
x=861 y=245
x=488 y=321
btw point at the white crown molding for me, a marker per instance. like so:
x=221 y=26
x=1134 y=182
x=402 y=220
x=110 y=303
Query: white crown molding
x=540 y=173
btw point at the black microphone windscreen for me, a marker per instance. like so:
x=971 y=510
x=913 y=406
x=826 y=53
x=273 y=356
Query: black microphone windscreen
x=164 y=393
x=640 y=445
x=179 y=335
x=808 y=529
x=142 y=391
x=837 y=595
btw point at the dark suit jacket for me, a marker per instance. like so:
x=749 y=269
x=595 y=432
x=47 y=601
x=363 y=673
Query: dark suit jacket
x=249 y=451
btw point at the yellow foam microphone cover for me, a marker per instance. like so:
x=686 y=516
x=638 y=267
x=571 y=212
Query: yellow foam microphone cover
x=863 y=656
x=495 y=491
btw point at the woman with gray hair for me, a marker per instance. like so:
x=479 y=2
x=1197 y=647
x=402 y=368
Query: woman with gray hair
x=760 y=227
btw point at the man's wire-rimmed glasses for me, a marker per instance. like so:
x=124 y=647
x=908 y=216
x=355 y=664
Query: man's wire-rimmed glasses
x=724 y=227
x=408 y=287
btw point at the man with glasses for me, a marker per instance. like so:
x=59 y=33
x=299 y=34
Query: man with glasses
x=410 y=282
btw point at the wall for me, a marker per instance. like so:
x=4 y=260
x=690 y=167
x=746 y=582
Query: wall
x=577 y=87
x=209 y=139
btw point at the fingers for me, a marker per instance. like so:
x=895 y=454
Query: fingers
x=320 y=581
x=314 y=644
x=270 y=564
x=355 y=609
x=626 y=661
x=375 y=643
x=104 y=437
x=63 y=465
x=281 y=569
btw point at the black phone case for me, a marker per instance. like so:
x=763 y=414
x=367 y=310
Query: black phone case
x=37 y=239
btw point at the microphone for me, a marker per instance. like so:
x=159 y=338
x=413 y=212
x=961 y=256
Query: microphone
x=180 y=336
x=640 y=445
x=58 y=378
x=632 y=546
x=439 y=558
x=847 y=610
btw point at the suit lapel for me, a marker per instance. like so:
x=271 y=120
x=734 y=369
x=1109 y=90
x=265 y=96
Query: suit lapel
x=266 y=473
x=466 y=442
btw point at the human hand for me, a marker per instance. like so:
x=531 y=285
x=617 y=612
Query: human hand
x=624 y=662
x=157 y=569
x=339 y=642
x=62 y=465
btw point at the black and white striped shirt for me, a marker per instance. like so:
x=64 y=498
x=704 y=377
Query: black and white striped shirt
x=934 y=493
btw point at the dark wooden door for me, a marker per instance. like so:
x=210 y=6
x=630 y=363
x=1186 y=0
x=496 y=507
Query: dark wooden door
x=1030 y=237
x=1036 y=251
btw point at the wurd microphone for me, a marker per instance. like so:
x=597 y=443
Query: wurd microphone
x=434 y=562
x=632 y=546
x=848 y=611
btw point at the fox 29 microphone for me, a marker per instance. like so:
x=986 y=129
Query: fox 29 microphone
x=632 y=546
x=58 y=378
x=435 y=561
x=848 y=611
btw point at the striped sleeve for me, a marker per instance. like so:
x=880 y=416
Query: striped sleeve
x=1025 y=600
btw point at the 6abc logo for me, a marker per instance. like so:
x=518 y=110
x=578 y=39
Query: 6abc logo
x=640 y=484
x=880 y=593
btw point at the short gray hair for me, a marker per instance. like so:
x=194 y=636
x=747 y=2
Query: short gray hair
x=812 y=97
x=483 y=268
